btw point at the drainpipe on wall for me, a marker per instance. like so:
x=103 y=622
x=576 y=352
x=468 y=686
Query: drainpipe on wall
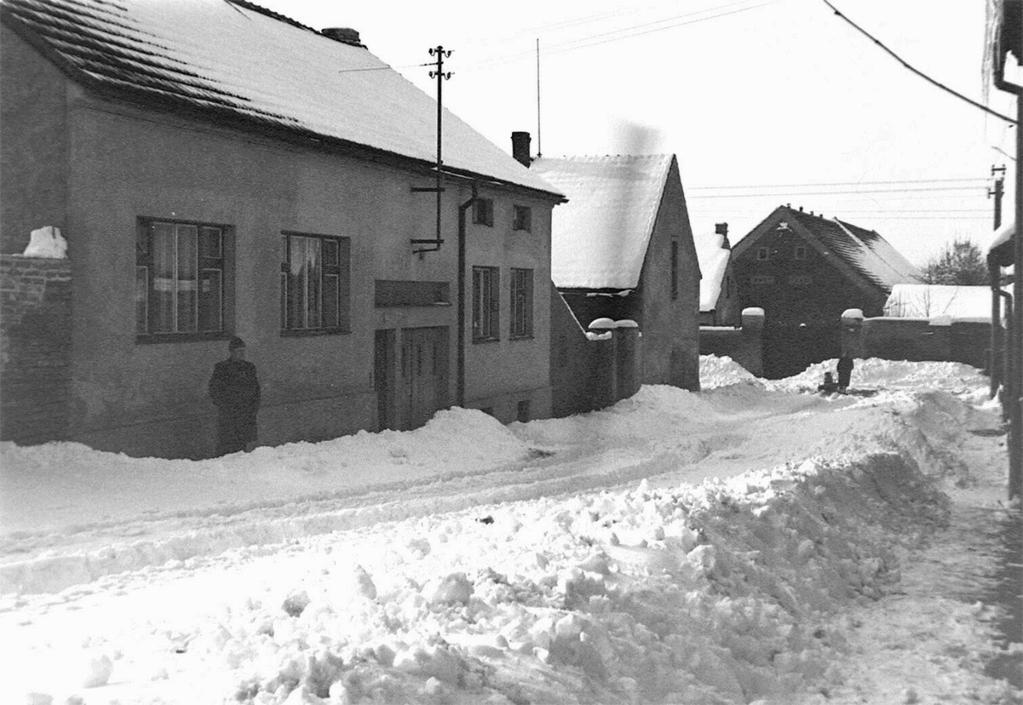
x=994 y=369
x=1014 y=373
x=460 y=357
x=1008 y=369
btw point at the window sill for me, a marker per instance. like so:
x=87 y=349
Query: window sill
x=159 y=338
x=530 y=336
x=313 y=332
x=486 y=340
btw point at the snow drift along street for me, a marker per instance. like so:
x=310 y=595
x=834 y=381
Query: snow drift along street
x=744 y=544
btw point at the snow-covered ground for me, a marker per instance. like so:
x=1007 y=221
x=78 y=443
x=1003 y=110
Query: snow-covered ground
x=752 y=543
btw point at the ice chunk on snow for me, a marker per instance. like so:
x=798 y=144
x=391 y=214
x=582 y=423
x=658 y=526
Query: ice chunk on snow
x=46 y=242
x=97 y=671
x=454 y=588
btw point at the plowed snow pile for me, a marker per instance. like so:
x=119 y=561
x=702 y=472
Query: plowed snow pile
x=752 y=543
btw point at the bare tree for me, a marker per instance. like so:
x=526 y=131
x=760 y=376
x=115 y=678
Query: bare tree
x=959 y=263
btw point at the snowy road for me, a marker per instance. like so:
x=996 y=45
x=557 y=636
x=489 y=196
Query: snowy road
x=725 y=547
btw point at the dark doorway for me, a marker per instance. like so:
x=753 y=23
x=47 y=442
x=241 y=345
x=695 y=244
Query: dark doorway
x=383 y=378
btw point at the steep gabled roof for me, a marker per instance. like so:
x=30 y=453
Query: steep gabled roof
x=600 y=237
x=236 y=63
x=862 y=251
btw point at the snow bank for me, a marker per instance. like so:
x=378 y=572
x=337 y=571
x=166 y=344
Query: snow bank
x=720 y=371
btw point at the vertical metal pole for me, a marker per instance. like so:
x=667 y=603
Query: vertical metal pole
x=995 y=279
x=439 y=74
x=1016 y=423
x=995 y=361
x=539 y=140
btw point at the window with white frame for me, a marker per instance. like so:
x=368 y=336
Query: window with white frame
x=180 y=273
x=521 y=303
x=315 y=283
x=485 y=304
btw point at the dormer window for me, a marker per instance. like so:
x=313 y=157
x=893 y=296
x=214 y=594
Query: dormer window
x=763 y=253
x=800 y=252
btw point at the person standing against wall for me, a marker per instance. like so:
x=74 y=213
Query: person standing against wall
x=235 y=391
x=845 y=368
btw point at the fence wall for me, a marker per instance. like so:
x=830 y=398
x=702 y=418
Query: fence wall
x=35 y=348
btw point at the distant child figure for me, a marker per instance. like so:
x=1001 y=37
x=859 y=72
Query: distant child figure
x=828 y=386
x=845 y=368
x=234 y=389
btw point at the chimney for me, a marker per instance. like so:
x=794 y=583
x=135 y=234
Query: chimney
x=520 y=148
x=722 y=230
x=345 y=35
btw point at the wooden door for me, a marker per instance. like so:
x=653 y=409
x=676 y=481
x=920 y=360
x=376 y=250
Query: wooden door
x=424 y=374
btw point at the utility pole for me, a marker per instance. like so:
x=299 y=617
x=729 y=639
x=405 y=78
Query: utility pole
x=441 y=76
x=997 y=192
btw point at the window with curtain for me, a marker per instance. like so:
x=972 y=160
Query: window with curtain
x=314 y=283
x=180 y=272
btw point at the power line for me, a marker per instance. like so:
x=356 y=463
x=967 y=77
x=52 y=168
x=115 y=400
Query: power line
x=786 y=194
x=919 y=73
x=845 y=183
x=621 y=33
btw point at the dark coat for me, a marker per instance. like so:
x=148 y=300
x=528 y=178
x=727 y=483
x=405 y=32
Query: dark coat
x=235 y=391
x=845 y=367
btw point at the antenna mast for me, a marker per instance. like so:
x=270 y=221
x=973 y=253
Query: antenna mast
x=539 y=142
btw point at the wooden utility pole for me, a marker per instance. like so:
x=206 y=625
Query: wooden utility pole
x=997 y=191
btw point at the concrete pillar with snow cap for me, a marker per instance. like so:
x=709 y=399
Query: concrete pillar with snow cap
x=627 y=342
x=604 y=381
x=751 y=348
x=852 y=332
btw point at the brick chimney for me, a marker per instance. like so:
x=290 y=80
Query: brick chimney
x=722 y=230
x=345 y=35
x=520 y=148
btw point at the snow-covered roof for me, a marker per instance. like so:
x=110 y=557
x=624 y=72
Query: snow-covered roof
x=933 y=300
x=713 y=257
x=235 y=62
x=865 y=251
x=1001 y=244
x=599 y=238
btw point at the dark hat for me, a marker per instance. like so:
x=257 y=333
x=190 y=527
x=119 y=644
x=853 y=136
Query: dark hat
x=236 y=342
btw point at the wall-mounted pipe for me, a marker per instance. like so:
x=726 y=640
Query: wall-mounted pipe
x=460 y=356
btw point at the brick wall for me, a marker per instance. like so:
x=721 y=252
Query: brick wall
x=35 y=348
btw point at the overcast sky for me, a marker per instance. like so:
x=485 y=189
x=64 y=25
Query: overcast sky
x=764 y=102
